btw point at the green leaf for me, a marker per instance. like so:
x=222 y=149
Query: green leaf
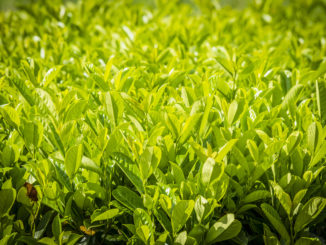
x=128 y=32
x=320 y=154
x=218 y=189
x=221 y=86
x=5 y=240
x=114 y=107
x=128 y=198
x=203 y=208
x=28 y=69
x=9 y=155
x=198 y=233
x=181 y=238
x=276 y=221
x=108 y=69
x=130 y=169
x=321 y=97
x=42 y=225
x=256 y=196
x=56 y=228
x=24 y=90
x=232 y=231
x=143 y=233
x=298 y=197
x=162 y=239
x=232 y=111
x=7 y=199
x=57 y=138
x=253 y=149
x=109 y=214
x=309 y=212
x=293 y=141
x=45 y=104
x=73 y=238
x=23 y=198
x=73 y=159
x=314 y=74
x=225 y=150
x=163 y=55
x=283 y=198
x=100 y=82
x=224 y=59
x=149 y=161
x=33 y=134
x=263 y=136
x=312 y=136
x=224 y=229
x=75 y=110
x=50 y=75
x=181 y=213
x=10 y=115
x=188 y=127
x=204 y=119
x=211 y=171
x=308 y=241
x=292 y=96
x=31 y=241
x=90 y=165
x=177 y=173
x=163 y=219
x=63 y=178
x=269 y=237
x=172 y=124
x=200 y=205
x=141 y=217
x=245 y=207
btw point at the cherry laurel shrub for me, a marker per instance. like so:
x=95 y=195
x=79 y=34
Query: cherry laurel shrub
x=163 y=122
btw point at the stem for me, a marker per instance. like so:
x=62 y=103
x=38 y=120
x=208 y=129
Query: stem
x=33 y=221
x=291 y=231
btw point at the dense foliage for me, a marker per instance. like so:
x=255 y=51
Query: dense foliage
x=163 y=122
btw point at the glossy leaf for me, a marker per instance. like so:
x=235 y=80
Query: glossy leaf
x=7 y=199
x=56 y=228
x=33 y=134
x=256 y=196
x=128 y=198
x=225 y=228
x=276 y=221
x=73 y=159
x=109 y=214
x=181 y=213
x=283 y=198
x=309 y=212
x=211 y=171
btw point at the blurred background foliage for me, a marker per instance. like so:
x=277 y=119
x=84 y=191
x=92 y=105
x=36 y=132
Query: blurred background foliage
x=319 y=6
